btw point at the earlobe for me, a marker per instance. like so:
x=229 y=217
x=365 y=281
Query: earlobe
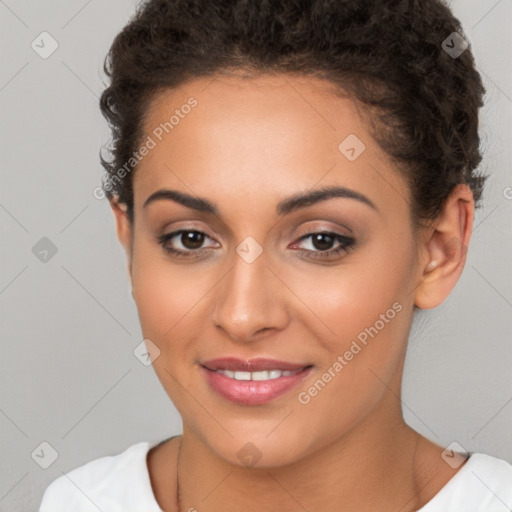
x=446 y=249
x=124 y=230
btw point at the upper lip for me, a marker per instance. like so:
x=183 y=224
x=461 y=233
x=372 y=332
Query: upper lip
x=251 y=365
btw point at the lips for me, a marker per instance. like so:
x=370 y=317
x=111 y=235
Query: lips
x=235 y=379
x=252 y=365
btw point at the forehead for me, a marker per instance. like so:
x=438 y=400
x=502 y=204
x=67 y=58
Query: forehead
x=259 y=135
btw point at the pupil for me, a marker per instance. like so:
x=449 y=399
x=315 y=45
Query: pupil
x=194 y=240
x=187 y=239
x=320 y=237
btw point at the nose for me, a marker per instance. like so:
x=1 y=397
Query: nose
x=250 y=301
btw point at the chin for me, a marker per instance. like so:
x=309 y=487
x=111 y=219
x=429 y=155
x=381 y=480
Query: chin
x=261 y=450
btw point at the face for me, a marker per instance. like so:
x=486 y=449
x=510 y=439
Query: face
x=324 y=285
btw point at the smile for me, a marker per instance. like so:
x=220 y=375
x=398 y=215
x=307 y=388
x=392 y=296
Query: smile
x=262 y=375
x=252 y=382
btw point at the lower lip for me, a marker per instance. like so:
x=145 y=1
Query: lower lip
x=252 y=392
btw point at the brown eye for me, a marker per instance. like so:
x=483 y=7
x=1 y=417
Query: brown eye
x=322 y=242
x=192 y=239
x=189 y=243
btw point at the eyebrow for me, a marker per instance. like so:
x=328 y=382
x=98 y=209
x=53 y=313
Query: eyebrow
x=286 y=206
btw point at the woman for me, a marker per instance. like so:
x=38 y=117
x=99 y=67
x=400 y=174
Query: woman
x=290 y=182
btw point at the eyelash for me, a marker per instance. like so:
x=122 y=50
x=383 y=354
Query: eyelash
x=347 y=244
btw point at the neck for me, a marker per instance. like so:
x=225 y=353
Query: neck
x=371 y=467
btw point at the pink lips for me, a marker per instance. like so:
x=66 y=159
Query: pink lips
x=250 y=392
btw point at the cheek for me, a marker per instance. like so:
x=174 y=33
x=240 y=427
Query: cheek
x=362 y=312
x=346 y=299
x=168 y=299
x=364 y=322
x=164 y=292
x=368 y=329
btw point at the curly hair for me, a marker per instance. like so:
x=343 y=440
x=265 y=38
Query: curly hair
x=420 y=101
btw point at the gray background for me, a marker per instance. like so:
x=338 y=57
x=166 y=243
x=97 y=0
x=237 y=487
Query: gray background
x=69 y=326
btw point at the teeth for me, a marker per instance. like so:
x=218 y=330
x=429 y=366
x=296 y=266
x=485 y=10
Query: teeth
x=263 y=375
x=242 y=375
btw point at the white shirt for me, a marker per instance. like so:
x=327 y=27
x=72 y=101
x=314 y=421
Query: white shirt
x=121 y=483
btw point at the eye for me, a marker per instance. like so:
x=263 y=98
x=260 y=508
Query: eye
x=322 y=241
x=190 y=240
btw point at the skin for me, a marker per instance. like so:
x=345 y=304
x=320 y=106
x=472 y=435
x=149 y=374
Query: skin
x=248 y=144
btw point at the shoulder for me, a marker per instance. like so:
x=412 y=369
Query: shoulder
x=495 y=472
x=107 y=483
x=483 y=484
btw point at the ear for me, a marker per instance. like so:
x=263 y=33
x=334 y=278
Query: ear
x=445 y=249
x=124 y=231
